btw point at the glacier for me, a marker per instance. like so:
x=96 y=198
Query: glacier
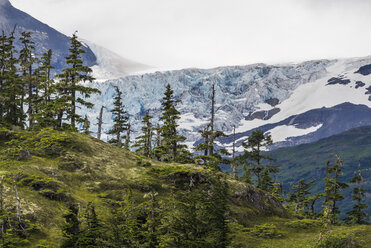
x=240 y=91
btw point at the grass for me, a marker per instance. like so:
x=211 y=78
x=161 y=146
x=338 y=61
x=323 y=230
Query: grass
x=89 y=170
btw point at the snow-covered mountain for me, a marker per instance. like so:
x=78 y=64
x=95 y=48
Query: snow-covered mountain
x=295 y=103
x=111 y=65
x=45 y=37
x=275 y=98
x=106 y=64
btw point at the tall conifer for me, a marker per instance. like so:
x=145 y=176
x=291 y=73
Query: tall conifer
x=357 y=214
x=169 y=132
x=70 y=88
x=144 y=141
x=120 y=120
x=27 y=60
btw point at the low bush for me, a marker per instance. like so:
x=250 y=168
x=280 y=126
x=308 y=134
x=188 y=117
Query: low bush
x=304 y=224
x=338 y=240
x=265 y=231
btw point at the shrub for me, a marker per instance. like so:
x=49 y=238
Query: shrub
x=142 y=163
x=304 y=224
x=265 y=231
x=339 y=240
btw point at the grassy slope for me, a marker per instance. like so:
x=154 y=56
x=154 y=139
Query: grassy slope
x=309 y=160
x=89 y=170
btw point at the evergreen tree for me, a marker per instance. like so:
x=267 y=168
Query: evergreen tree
x=86 y=126
x=12 y=90
x=211 y=158
x=45 y=117
x=120 y=120
x=92 y=236
x=169 y=133
x=212 y=138
x=234 y=163
x=71 y=230
x=27 y=60
x=143 y=142
x=197 y=217
x=357 y=214
x=127 y=138
x=332 y=190
x=253 y=157
x=70 y=89
x=299 y=194
x=100 y=123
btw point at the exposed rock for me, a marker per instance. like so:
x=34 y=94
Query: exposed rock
x=368 y=92
x=359 y=84
x=334 y=80
x=259 y=199
x=272 y=101
x=263 y=115
x=364 y=70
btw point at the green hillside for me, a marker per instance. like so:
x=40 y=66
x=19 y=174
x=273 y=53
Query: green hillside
x=69 y=168
x=308 y=161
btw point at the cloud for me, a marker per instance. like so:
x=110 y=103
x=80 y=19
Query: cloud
x=190 y=33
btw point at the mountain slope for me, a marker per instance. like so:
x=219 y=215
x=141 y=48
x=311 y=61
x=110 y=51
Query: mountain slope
x=72 y=168
x=45 y=37
x=308 y=161
x=310 y=126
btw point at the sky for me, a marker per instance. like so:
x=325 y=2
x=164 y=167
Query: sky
x=173 y=34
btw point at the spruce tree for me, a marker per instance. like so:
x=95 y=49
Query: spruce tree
x=253 y=159
x=12 y=90
x=169 y=133
x=92 y=236
x=332 y=190
x=120 y=120
x=211 y=158
x=86 y=126
x=70 y=87
x=71 y=230
x=299 y=194
x=27 y=60
x=47 y=110
x=357 y=214
x=143 y=142
x=100 y=123
x=127 y=138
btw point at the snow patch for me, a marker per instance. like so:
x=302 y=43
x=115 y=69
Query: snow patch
x=282 y=133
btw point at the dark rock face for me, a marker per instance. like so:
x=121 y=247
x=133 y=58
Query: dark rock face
x=364 y=70
x=368 y=92
x=273 y=101
x=360 y=84
x=45 y=37
x=333 y=81
x=259 y=199
x=263 y=115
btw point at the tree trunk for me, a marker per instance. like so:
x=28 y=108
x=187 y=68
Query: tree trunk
x=100 y=122
x=234 y=167
x=19 y=210
x=211 y=149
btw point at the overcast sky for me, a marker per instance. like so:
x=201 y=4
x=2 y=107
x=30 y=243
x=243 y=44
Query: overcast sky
x=207 y=33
